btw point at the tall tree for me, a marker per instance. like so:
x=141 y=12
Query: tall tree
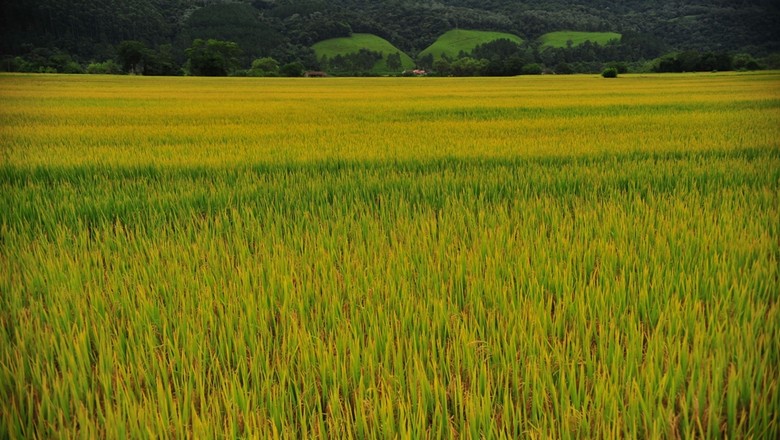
x=213 y=57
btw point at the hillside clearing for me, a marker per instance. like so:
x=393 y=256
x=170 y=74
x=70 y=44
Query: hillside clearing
x=346 y=45
x=452 y=43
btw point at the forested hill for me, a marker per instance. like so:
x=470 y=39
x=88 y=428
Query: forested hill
x=286 y=29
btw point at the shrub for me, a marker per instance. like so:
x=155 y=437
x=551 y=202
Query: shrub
x=743 y=61
x=532 y=69
x=468 y=66
x=264 y=67
x=564 y=69
x=610 y=72
x=105 y=68
x=212 y=57
x=72 y=67
x=294 y=69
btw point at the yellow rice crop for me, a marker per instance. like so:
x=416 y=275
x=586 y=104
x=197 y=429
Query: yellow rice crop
x=205 y=121
x=545 y=256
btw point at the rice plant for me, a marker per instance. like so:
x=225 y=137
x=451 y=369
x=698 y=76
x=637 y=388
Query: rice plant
x=389 y=258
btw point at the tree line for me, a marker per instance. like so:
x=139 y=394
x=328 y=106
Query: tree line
x=506 y=58
x=83 y=35
x=500 y=57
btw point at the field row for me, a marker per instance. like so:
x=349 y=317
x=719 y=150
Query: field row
x=210 y=122
x=600 y=296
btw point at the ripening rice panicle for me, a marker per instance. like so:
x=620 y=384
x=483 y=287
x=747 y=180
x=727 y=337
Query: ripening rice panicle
x=414 y=258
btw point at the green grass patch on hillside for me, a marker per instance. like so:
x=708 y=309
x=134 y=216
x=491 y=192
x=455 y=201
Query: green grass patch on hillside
x=561 y=38
x=457 y=40
x=346 y=45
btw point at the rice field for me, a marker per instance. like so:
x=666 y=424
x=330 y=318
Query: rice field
x=538 y=257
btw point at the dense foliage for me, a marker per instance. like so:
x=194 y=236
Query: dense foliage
x=213 y=57
x=67 y=35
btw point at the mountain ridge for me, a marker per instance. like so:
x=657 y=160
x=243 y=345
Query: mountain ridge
x=286 y=29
